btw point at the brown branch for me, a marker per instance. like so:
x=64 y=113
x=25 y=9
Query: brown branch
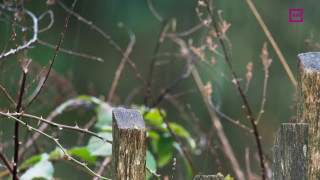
x=266 y=62
x=59 y=126
x=107 y=161
x=242 y=95
x=16 y=127
x=273 y=43
x=187 y=32
x=6 y=162
x=233 y=121
x=138 y=75
x=55 y=54
x=35 y=33
x=50 y=117
x=154 y=12
x=122 y=63
x=164 y=29
x=226 y=148
x=87 y=126
x=7 y=95
x=71 y=52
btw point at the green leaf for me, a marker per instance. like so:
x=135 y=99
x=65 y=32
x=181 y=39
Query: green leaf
x=83 y=153
x=163 y=149
x=151 y=164
x=154 y=118
x=89 y=99
x=228 y=177
x=180 y=131
x=97 y=147
x=43 y=169
x=30 y=161
x=153 y=135
x=104 y=115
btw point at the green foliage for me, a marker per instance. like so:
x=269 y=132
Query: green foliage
x=151 y=164
x=161 y=141
x=163 y=148
x=83 y=153
x=41 y=170
x=228 y=177
x=97 y=147
x=104 y=115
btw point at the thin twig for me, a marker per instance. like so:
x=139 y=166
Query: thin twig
x=51 y=21
x=273 y=43
x=56 y=142
x=50 y=117
x=187 y=32
x=226 y=148
x=233 y=121
x=242 y=95
x=19 y=102
x=55 y=54
x=6 y=162
x=87 y=126
x=104 y=164
x=7 y=95
x=164 y=29
x=99 y=59
x=35 y=32
x=214 y=153
x=266 y=62
x=59 y=126
x=122 y=63
x=184 y=74
x=154 y=12
x=138 y=75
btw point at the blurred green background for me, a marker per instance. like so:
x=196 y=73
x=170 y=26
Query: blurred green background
x=95 y=78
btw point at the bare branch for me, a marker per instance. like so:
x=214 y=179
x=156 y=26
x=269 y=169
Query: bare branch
x=122 y=63
x=7 y=95
x=35 y=32
x=55 y=54
x=59 y=126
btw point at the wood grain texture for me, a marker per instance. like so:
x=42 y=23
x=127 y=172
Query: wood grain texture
x=309 y=106
x=290 y=153
x=129 y=145
x=208 y=177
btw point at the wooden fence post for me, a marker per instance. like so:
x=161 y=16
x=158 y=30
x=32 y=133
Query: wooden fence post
x=208 y=177
x=290 y=152
x=309 y=106
x=128 y=145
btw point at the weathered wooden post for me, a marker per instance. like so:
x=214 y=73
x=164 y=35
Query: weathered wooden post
x=128 y=145
x=208 y=177
x=290 y=152
x=309 y=106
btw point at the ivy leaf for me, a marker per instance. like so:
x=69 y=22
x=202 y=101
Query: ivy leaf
x=97 y=147
x=83 y=153
x=43 y=169
x=163 y=149
x=180 y=131
x=152 y=117
x=228 y=177
x=104 y=115
x=151 y=164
